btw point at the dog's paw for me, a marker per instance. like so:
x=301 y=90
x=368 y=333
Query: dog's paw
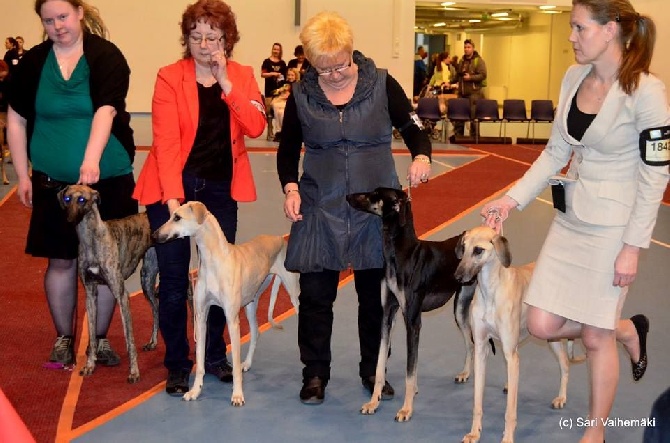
x=87 y=370
x=191 y=395
x=370 y=408
x=149 y=346
x=462 y=377
x=471 y=438
x=133 y=377
x=559 y=402
x=246 y=366
x=403 y=415
x=237 y=400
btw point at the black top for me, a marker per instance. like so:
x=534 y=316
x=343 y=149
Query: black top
x=578 y=121
x=294 y=64
x=272 y=83
x=211 y=156
x=3 y=95
x=12 y=58
x=400 y=110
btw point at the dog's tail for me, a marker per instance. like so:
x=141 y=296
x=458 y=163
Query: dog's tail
x=273 y=301
x=571 y=353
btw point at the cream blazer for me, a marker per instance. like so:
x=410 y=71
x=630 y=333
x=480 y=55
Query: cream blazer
x=612 y=185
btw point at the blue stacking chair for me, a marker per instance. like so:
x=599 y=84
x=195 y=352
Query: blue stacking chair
x=458 y=110
x=541 y=111
x=428 y=110
x=514 y=111
x=486 y=110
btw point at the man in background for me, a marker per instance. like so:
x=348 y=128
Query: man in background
x=471 y=80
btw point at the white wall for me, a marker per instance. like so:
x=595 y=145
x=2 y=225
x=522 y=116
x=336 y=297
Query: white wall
x=147 y=32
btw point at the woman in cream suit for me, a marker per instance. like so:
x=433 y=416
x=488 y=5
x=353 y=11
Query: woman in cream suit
x=590 y=257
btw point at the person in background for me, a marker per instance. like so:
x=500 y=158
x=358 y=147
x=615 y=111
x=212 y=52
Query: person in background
x=444 y=75
x=19 y=46
x=420 y=71
x=660 y=411
x=343 y=110
x=434 y=60
x=470 y=78
x=67 y=114
x=299 y=62
x=4 y=72
x=609 y=106
x=203 y=107
x=273 y=70
x=12 y=55
x=281 y=95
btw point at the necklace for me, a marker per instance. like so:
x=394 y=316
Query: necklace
x=67 y=62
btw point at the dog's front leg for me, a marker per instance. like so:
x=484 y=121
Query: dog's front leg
x=233 y=319
x=250 y=309
x=462 y=317
x=481 y=352
x=562 y=357
x=118 y=289
x=510 y=349
x=201 y=311
x=413 y=324
x=390 y=308
x=92 y=315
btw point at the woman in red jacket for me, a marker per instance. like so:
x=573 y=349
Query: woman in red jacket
x=203 y=106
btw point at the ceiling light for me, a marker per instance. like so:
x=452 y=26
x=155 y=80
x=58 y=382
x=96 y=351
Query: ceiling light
x=550 y=11
x=474 y=20
x=500 y=14
x=504 y=19
x=437 y=25
x=447 y=3
x=545 y=7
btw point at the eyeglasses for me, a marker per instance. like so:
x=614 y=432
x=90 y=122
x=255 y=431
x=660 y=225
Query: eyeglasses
x=339 y=70
x=197 y=39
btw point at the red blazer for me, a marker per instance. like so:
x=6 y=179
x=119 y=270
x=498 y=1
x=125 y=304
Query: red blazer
x=175 y=121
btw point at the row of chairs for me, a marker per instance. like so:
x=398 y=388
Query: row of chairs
x=486 y=110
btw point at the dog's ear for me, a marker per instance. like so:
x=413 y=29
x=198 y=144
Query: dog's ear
x=61 y=195
x=200 y=212
x=501 y=246
x=460 y=247
x=95 y=197
x=400 y=206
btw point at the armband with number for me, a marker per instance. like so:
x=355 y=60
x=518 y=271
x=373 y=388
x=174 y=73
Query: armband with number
x=655 y=146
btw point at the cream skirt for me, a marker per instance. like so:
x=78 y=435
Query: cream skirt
x=575 y=270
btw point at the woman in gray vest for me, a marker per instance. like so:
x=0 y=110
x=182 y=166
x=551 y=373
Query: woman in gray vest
x=343 y=110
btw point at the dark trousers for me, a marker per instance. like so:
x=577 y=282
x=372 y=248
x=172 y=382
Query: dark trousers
x=459 y=127
x=315 y=320
x=173 y=262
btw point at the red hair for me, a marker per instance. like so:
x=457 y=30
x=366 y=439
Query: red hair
x=215 y=13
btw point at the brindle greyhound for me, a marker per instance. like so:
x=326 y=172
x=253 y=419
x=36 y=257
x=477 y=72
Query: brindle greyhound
x=109 y=252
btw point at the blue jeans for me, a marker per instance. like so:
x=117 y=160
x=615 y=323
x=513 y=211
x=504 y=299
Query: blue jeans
x=173 y=263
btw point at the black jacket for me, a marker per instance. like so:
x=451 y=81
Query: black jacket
x=109 y=82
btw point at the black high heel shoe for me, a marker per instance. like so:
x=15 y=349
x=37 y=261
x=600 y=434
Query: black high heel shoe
x=641 y=323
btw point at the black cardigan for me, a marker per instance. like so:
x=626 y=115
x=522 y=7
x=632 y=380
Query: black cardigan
x=110 y=78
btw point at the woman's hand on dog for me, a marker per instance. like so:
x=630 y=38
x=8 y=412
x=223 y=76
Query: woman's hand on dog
x=502 y=206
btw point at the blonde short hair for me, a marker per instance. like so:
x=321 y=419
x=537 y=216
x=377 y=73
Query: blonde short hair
x=295 y=72
x=325 y=35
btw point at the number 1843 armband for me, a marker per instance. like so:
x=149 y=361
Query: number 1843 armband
x=655 y=146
